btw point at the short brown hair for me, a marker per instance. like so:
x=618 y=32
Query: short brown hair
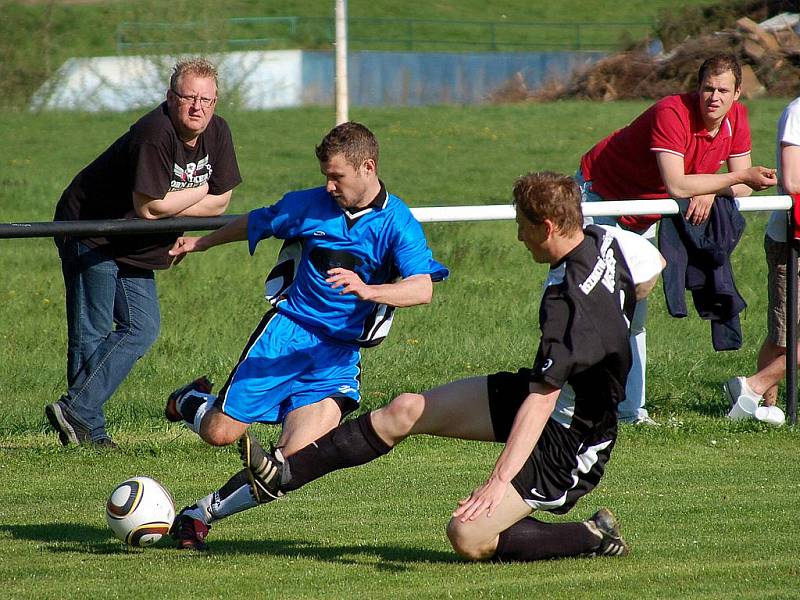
x=719 y=64
x=353 y=140
x=199 y=67
x=548 y=195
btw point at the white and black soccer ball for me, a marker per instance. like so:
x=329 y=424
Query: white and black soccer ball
x=140 y=511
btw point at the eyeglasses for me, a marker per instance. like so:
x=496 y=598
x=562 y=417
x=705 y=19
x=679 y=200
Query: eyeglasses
x=204 y=102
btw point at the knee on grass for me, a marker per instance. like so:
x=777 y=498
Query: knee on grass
x=467 y=542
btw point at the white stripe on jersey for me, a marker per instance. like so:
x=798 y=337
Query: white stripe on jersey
x=586 y=460
x=565 y=407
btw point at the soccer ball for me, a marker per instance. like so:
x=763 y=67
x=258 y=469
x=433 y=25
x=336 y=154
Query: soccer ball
x=140 y=511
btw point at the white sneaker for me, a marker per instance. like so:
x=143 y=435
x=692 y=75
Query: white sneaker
x=736 y=387
x=770 y=414
x=645 y=420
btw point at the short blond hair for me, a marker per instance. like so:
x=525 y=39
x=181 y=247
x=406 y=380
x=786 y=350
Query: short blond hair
x=198 y=66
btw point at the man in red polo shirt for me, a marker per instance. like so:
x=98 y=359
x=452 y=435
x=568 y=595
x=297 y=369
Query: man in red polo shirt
x=674 y=149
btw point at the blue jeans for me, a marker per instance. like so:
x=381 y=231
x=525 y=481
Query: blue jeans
x=112 y=320
x=633 y=407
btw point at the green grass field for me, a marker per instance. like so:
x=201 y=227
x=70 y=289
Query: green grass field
x=707 y=505
x=36 y=37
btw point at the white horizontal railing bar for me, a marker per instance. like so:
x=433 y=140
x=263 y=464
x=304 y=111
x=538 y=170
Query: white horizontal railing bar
x=498 y=212
x=431 y=214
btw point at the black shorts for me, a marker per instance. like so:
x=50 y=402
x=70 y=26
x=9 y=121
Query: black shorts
x=562 y=467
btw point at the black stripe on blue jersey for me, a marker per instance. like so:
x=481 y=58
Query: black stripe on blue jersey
x=325 y=259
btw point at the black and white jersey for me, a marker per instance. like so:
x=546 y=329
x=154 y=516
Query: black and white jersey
x=584 y=317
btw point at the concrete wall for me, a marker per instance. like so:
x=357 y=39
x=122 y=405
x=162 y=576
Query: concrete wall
x=285 y=78
x=416 y=78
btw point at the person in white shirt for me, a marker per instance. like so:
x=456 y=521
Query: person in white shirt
x=771 y=364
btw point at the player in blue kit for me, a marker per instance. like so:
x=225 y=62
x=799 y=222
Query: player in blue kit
x=358 y=253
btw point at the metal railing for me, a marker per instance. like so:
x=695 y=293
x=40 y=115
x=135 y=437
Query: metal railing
x=372 y=33
x=452 y=214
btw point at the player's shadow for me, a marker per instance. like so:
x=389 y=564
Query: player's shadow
x=79 y=537
x=382 y=557
x=67 y=537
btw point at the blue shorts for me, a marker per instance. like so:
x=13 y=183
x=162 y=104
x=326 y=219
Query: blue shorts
x=283 y=367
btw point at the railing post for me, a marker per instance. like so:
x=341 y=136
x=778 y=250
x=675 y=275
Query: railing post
x=120 y=37
x=791 y=322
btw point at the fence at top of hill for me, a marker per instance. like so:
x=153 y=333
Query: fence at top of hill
x=374 y=33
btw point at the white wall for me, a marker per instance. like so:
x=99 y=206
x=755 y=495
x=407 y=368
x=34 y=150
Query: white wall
x=257 y=80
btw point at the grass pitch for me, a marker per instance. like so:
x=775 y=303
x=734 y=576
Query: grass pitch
x=707 y=505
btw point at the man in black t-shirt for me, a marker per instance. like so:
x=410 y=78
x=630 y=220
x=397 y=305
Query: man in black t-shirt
x=558 y=419
x=177 y=160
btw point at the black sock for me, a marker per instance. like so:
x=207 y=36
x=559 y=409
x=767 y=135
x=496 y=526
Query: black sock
x=189 y=406
x=530 y=539
x=233 y=484
x=352 y=443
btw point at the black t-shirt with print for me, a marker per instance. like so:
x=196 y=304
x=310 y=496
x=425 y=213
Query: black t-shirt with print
x=152 y=160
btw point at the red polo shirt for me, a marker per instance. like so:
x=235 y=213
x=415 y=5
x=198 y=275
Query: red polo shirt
x=623 y=165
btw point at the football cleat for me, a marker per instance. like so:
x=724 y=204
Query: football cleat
x=605 y=524
x=202 y=385
x=264 y=469
x=190 y=533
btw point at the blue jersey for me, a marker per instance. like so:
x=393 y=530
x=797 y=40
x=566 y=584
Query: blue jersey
x=379 y=243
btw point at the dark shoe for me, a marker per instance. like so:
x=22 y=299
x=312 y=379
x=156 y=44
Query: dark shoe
x=189 y=532
x=264 y=469
x=605 y=523
x=69 y=431
x=202 y=385
x=105 y=443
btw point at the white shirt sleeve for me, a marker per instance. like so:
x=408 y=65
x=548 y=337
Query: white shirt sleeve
x=643 y=258
x=789 y=126
x=788 y=134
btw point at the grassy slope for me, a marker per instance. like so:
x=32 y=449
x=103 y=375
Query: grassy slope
x=35 y=39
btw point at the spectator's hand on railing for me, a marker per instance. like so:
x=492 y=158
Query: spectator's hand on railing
x=699 y=208
x=182 y=247
x=760 y=178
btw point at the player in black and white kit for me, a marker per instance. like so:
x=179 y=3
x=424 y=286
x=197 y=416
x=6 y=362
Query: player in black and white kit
x=177 y=160
x=558 y=419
